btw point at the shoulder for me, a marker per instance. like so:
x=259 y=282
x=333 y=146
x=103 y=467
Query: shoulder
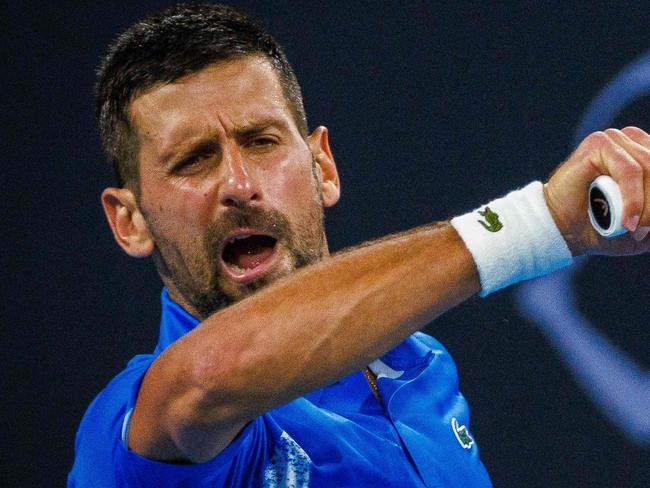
x=100 y=429
x=430 y=342
x=103 y=459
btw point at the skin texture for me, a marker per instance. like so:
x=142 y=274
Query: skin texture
x=213 y=161
x=203 y=389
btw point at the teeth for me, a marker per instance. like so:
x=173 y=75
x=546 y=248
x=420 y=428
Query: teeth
x=239 y=238
x=238 y=269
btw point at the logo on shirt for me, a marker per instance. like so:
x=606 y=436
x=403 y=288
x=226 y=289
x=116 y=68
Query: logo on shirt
x=492 y=222
x=462 y=434
x=289 y=467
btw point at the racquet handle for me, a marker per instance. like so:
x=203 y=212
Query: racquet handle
x=606 y=207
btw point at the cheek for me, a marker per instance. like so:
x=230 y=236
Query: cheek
x=291 y=183
x=198 y=199
x=181 y=209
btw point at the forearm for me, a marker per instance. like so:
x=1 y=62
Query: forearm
x=295 y=336
x=329 y=319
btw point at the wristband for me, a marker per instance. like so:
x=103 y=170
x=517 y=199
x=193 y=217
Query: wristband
x=513 y=238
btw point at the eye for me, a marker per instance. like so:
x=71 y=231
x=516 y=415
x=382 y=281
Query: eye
x=190 y=164
x=262 y=142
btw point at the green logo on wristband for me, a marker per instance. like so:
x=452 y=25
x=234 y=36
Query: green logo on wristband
x=491 y=220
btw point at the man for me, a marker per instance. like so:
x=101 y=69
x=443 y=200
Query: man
x=278 y=364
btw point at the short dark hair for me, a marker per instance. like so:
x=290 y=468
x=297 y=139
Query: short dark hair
x=166 y=46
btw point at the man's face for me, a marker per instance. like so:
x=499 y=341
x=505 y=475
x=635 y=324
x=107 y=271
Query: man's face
x=229 y=189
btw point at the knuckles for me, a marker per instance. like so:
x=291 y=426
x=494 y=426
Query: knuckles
x=634 y=132
x=611 y=132
x=597 y=140
x=625 y=155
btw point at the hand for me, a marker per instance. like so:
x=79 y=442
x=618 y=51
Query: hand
x=625 y=156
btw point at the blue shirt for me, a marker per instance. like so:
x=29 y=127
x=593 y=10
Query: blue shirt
x=338 y=436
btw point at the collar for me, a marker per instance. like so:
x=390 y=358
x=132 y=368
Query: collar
x=175 y=322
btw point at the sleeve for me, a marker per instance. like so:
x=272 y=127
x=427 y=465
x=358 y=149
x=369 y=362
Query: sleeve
x=232 y=467
x=237 y=465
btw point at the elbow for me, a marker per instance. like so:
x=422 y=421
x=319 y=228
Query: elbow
x=222 y=388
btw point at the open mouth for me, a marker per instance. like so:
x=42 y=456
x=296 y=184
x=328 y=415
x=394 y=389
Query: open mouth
x=247 y=255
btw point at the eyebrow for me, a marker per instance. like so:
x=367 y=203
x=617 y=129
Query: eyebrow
x=207 y=141
x=243 y=132
x=196 y=145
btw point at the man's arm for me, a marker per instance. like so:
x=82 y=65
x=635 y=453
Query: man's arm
x=299 y=334
x=337 y=316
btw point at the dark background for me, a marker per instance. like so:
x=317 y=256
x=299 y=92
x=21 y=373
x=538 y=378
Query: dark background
x=433 y=108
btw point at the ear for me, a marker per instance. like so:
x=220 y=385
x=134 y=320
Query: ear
x=328 y=176
x=127 y=222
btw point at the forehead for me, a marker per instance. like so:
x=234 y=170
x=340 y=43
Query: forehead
x=224 y=94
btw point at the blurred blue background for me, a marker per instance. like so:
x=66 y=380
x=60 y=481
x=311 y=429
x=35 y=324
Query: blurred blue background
x=433 y=108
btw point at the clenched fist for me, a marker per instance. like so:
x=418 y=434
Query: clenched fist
x=625 y=156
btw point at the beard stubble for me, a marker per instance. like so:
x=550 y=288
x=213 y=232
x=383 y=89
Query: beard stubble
x=195 y=270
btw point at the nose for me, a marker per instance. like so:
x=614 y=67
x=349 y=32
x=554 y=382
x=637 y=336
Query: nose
x=240 y=187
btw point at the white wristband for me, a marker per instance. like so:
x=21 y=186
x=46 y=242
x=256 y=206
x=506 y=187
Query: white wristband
x=513 y=238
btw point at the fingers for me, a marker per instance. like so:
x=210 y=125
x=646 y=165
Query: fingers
x=609 y=157
x=636 y=143
x=638 y=135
